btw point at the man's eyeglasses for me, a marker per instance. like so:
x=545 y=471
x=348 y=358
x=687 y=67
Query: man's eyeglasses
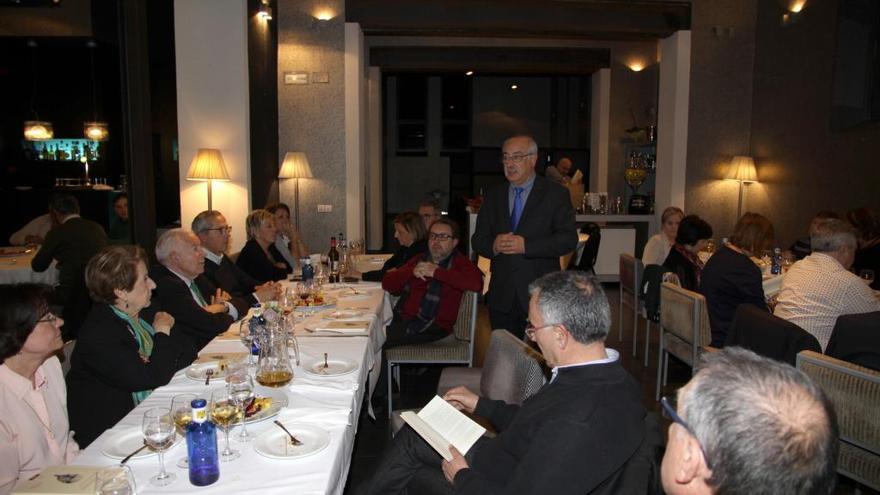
x=49 y=318
x=516 y=158
x=223 y=230
x=440 y=237
x=531 y=330
x=670 y=413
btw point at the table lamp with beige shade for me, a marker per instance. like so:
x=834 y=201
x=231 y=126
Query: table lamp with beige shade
x=742 y=170
x=208 y=165
x=295 y=166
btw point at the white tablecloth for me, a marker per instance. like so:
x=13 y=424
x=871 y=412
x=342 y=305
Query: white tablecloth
x=17 y=269
x=323 y=472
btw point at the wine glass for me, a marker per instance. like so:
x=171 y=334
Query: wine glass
x=867 y=276
x=181 y=412
x=158 y=429
x=224 y=412
x=288 y=301
x=241 y=391
x=115 y=480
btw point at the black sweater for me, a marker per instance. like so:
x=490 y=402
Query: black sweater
x=106 y=368
x=572 y=436
x=399 y=258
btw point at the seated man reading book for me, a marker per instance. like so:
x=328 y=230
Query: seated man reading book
x=575 y=435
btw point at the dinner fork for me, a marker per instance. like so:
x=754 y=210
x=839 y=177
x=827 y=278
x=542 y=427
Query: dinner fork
x=293 y=439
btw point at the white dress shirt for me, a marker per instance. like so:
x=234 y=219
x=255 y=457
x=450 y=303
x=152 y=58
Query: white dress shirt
x=818 y=289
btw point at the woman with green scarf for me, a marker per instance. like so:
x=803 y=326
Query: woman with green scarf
x=119 y=357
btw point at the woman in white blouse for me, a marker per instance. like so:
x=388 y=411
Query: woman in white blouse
x=658 y=246
x=34 y=431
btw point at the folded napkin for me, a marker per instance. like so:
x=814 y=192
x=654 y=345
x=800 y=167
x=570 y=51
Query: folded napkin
x=341 y=326
x=328 y=384
x=316 y=415
x=353 y=297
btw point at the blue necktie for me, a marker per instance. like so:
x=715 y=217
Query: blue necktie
x=517 y=207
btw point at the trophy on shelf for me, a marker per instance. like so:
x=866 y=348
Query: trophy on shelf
x=635 y=175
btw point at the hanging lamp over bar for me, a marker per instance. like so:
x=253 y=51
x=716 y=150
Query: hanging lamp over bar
x=95 y=130
x=36 y=129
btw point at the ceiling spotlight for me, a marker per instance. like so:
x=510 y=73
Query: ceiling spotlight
x=514 y=87
x=469 y=73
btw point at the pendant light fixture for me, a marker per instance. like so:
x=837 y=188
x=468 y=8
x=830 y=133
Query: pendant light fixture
x=95 y=130
x=36 y=129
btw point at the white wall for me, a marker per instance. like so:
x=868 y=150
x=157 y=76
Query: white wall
x=213 y=105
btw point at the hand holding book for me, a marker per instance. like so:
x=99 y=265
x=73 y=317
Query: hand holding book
x=443 y=426
x=462 y=399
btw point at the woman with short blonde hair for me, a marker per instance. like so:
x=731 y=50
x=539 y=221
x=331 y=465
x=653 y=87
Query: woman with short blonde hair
x=259 y=257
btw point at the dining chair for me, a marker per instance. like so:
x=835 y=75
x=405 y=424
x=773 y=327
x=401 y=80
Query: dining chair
x=855 y=339
x=631 y=270
x=855 y=393
x=591 y=247
x=684 y=329
x=763 y=333
x=457 y=348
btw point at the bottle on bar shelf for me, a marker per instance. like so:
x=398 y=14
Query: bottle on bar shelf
x=333 y=262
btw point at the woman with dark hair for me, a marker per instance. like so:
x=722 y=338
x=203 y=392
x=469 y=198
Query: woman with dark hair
x=288 y=241
x=259 y=257
x=34 y=431
x=683 y=260
x=409 y=230
x=119 y=358
x=731 y=278
x=658 y=246
x=868 y=252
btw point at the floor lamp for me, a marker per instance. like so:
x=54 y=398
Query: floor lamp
x=742 y=170
x=295 y=166
x=208 y=165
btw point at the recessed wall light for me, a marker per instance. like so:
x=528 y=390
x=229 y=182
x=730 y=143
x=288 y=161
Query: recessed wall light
x=514 y=87
x=469 y=73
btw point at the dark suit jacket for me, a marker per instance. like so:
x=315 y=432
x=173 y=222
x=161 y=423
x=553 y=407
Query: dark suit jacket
x=232 y=279
x=253 y=261
x=758 y=330
x=106 y=369
x=856 y=338
x=547 y=223
x=173 y=296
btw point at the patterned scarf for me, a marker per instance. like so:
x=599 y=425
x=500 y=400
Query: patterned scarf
x=693 y=258
x=143 y=333
x=430 y=302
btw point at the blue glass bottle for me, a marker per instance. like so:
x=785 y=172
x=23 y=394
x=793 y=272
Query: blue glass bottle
x=308 y=271
x=776 y=262
x=201 y=446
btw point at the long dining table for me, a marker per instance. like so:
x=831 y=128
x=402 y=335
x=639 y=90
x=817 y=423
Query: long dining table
x=332 y=403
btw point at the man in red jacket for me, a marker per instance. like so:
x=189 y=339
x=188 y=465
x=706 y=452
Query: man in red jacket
x=430 y=286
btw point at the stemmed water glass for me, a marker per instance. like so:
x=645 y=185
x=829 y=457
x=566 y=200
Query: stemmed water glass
x=158 y=429
x=224 y=413
x=867 y=276
x=247 y=338
x=241 y=391
x=181 y=413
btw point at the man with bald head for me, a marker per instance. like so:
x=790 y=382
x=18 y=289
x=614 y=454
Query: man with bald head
x=523 y=227
x=199 y=308
x=559 y=172
x=746 y=424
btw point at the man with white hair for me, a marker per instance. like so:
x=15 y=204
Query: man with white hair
x=819 y=288
x=199 y=308
x=747 y=424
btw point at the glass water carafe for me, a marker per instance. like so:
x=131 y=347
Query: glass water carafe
x=273 y=366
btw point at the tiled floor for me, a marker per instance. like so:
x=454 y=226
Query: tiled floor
x=419 y=385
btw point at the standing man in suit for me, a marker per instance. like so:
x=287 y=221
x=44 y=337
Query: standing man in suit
x=214 y=233
x=523 y=227
x=73 y=243
x=202 y=310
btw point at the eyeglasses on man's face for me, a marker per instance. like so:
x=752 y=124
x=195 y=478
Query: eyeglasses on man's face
x=440 y=237
x=532 y=330
x=222 y=230
x=516 y=158
x=670 y=413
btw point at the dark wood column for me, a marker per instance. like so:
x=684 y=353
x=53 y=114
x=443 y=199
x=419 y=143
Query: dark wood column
x=136 y=124
x=263 y=84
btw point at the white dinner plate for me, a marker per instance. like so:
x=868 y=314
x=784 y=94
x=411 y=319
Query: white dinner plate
x=346 y=314
x=276 y=444
x=119 y=445
x=329 y=302
x=279 y=402
x=199 y=371
x=335 y=367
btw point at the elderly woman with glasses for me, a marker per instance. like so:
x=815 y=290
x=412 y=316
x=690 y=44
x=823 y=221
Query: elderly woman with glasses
x=260 y=258
x=34 y=431
x=119 y=357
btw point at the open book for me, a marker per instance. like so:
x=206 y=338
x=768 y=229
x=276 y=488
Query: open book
x=442 y=425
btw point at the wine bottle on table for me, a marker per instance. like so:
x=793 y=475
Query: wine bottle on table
x=201 y=446
x=333 y=262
